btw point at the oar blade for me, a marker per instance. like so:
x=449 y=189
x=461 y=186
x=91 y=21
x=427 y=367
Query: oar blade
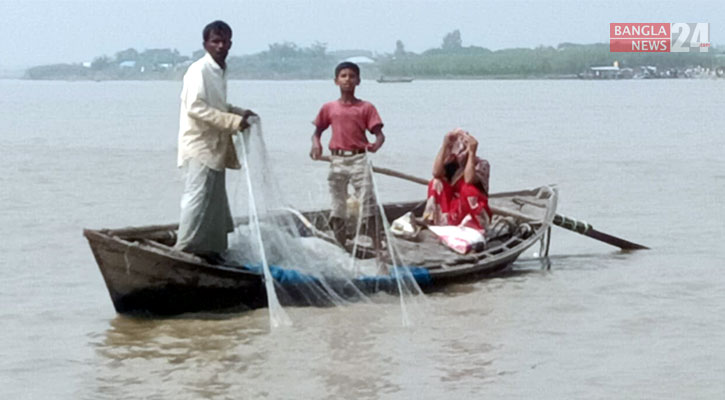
x=614 y=241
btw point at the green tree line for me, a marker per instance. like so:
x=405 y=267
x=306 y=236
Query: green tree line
x=450 y=60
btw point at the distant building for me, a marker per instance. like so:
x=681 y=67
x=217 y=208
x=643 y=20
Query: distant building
x=608 y=72
x=127 y=64
x=604 y=72
x=647 y=72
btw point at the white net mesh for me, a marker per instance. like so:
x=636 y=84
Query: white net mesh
x=297 y=250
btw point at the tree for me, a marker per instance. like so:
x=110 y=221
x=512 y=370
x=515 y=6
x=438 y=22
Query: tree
x=153 y=57
x=198 y=54
x=100 y=63
x=317 y=49
x=127 y=55
x=399 y=49
x=452 y=41
x=282 y=50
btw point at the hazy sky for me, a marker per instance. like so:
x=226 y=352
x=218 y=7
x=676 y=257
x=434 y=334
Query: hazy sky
x=42 y=32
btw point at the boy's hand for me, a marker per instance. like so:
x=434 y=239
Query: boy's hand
x=373 y=147
x=379 y=140
x=316 y=151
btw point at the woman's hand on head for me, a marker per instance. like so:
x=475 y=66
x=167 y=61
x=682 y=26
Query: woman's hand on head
x=451 y=136
x=471 y=144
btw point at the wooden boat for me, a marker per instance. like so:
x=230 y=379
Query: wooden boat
x=144 y=274
x=385 y=79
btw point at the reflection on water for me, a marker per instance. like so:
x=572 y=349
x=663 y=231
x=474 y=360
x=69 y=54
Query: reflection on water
x=136 y=356
x=359 y=351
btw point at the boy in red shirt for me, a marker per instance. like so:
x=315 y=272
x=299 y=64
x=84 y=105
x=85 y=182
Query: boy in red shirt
x=350 y=118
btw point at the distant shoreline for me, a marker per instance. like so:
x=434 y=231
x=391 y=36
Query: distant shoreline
x=287 y=61
x=12 y=73
x=365 y=79
x=427 y=78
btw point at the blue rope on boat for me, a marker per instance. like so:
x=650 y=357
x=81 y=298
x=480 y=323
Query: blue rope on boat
x=421 y=276
x=285 y=276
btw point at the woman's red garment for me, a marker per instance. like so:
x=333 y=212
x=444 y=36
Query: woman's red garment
x=449 y=204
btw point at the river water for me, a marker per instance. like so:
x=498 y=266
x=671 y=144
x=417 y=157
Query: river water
x=642 y=160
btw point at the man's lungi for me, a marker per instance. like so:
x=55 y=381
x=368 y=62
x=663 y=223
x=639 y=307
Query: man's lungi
x=205 y=216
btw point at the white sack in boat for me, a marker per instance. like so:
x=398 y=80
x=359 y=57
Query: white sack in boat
x=461 y=238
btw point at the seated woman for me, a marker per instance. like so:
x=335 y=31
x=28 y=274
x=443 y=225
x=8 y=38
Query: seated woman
x=459 y=187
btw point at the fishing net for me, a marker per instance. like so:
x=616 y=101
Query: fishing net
x=302 y=262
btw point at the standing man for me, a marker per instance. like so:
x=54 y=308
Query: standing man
x=206 y=125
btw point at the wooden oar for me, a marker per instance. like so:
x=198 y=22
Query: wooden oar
x=559 y=220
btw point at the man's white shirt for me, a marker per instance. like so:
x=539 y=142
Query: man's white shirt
x=206 y=120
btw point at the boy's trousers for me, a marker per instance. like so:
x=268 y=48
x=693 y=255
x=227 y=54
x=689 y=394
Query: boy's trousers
x=351 y=170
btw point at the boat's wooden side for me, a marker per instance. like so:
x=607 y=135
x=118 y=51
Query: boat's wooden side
x=143 y=278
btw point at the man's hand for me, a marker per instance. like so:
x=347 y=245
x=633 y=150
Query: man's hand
x=245 y=119
x=316 y=151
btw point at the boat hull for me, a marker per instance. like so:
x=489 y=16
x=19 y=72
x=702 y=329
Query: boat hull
x=143 y=280
x=144 y=275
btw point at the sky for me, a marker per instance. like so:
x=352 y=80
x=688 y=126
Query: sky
x=71 y=31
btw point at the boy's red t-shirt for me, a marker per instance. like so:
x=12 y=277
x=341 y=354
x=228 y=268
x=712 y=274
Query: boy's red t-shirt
x=349 y=123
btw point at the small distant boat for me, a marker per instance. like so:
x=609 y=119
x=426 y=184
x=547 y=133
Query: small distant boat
x=385 y=79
